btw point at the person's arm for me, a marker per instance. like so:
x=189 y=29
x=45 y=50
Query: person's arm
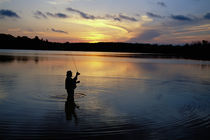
x=75 y=78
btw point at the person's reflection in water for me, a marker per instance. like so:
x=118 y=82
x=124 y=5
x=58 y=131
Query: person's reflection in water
x=70 y=85
x=70 y=107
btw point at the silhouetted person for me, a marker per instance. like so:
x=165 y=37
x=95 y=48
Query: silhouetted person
x=71 y=84
x=70 y=107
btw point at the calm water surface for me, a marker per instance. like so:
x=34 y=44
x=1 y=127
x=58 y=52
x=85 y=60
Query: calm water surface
x=119 y=96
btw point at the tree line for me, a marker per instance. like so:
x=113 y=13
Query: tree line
x=197 y=50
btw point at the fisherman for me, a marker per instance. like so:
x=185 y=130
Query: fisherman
x=71 y=84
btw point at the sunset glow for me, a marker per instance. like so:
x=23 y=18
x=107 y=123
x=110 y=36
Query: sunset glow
x=143 y=21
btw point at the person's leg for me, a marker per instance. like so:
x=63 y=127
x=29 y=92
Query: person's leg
x=73 y=95
x=70 y=95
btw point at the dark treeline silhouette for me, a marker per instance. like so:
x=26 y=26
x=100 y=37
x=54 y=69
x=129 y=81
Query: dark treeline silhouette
x=195 y=50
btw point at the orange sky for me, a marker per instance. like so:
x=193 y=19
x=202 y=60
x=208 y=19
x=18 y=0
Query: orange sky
x=143 y=21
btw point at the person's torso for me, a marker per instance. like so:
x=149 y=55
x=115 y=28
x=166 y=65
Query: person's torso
x=70 y=83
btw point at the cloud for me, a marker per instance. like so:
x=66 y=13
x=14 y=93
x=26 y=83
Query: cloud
x=207 y=16
x=181 y=18
x=121 y=27
x=39 y=14
x=147 y=35
x=127 y=18
x=112 y=17
x=8 y=13
x=119 y=17
x=82 y=14
x=152 y=15
x=61 y=15
x=59 y=31
x=57 y=15
x=162 y=4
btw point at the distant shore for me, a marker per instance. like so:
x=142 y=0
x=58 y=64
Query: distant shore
x=198 y=50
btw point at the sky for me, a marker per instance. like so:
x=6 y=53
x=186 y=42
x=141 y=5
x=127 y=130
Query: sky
x=136 y=21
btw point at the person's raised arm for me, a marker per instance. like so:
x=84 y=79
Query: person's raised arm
x=75 y=78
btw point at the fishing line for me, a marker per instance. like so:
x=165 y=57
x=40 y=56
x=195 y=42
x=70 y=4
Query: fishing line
x=74 y=61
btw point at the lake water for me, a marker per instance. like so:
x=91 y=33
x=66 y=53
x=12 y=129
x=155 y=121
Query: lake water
x=120 y=96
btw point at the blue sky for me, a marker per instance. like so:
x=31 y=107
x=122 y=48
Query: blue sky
x=143 y=21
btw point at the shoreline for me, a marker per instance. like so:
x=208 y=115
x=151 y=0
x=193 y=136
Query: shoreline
x=198 y=50
x=126 y=54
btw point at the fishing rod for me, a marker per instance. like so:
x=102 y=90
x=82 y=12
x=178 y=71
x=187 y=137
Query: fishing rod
x=75 y=66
